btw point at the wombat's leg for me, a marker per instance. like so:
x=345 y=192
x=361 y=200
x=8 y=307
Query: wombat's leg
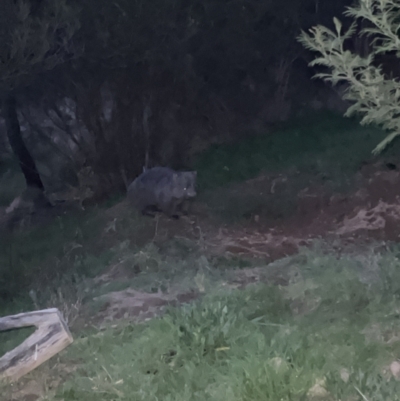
x=174 y=215
x=171 y=210
x=184 y=207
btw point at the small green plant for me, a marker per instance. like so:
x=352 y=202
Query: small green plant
x=375 y=96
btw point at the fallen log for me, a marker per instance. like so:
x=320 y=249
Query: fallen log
x=51 y=336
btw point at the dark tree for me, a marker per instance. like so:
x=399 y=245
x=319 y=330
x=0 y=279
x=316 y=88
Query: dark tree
x=35 y=36
x=26 y=162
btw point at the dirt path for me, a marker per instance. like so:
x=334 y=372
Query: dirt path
x=370 y=211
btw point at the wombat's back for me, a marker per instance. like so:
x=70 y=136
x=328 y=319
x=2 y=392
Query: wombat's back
x=155 y=175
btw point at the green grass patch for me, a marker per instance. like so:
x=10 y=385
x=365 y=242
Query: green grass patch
x=12 y=338
x=325 y=144
x=176 y=263
x=321 y=151
x=34 y=258
x=329 y=335
x=232 y=204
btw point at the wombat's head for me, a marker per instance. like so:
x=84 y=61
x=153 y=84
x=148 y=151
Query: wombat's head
x=186 y=182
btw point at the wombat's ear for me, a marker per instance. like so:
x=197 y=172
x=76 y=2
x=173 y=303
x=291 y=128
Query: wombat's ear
x=175 y=177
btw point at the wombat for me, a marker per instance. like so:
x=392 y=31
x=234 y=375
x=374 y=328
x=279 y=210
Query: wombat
x=162 y=189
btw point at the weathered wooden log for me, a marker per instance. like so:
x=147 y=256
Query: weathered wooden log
x=51 y=336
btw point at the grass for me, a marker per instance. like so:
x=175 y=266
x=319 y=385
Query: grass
x=322 y=151
x=327 y=336
x=39 y=255
x=47 y=267
x=325 y=144
x=11 y=338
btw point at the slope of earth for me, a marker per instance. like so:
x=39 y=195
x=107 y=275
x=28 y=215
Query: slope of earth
x=370 y=211
x=258 y=203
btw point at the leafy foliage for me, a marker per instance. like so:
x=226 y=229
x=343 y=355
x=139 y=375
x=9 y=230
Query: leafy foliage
x=375 y=96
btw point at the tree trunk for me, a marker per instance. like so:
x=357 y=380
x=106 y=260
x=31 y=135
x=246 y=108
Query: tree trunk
x=25 y=159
